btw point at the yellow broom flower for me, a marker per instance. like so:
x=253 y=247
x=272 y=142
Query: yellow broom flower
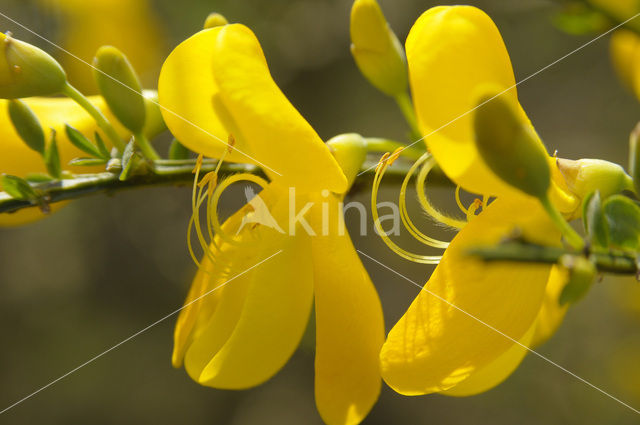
x=260 y=281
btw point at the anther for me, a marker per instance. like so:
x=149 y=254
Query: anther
x=196 y=169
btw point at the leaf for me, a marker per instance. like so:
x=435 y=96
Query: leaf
x=623 y=220
x=38 y=178
x=128 y=157
x=101 y=146
x=81 y=142
x=27 y=125
x=87 y=162
x=52 y=158
x=18 y=188
x=595 y=225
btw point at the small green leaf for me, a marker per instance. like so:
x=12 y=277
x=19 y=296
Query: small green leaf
x=81 y=142
x=128 y=157
x=18 y=188
x=87 y=162
x=595 y=225
x=178 y=151
x=38 y=178
x=623 y=219
x=582 y=273
x=52 y=158
x=101 y=146
x=27 y=125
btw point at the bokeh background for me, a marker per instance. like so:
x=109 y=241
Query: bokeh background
x=79 y=282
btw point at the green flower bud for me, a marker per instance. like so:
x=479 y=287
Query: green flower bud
x=588 y=175
x=27 y=71
x=154 y=123
x=350 y=150
x=582 y=273
x=27 y=125
x=215 y=20
x=376 y=49
x=120 y=87
x=510 y=146
x=178 y=151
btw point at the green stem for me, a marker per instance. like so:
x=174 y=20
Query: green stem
x=95 y=113
x=161 y=173
x=406 y=106
x=610 y=262
x=377 y=144
x=572 y=237
x=145 y=147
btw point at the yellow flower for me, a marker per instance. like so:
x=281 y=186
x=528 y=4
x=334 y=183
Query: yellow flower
x=53 y=113
x=458 y=335
x=260 y=283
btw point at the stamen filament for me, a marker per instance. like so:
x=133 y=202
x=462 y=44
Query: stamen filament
x=423 y=259
x=404 y=215
x=424 y=201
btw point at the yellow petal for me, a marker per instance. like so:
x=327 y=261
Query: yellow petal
x=453 y=51
x=274 y=315
x=435 y=345
x=552 y=313
x=206 y=290
x=495 y=372
x=349 y=327
x=277 y=134
x=186 y=89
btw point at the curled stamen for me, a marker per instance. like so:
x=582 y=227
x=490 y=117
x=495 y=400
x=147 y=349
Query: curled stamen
x=424 y=201
x=471 y=212
x=404 y=215
x=212 y=215
x=424 y=259
x=459 y=202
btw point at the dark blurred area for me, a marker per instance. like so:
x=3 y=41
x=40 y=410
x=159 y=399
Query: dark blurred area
x=103 y=268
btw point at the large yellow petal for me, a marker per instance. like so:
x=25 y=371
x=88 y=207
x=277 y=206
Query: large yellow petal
x=186 y=89
x=279 y=137
x=457 y=327
x=495 y=372
x=452 y=52
x=208 y=285
x=349 y=326
x=274 y=314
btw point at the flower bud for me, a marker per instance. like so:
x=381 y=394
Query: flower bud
x=350 y=150
x=27 y=71
x=120 y=87
x=154 y=123
x=27 y=125
x=582 y=273
x=588 y=175
x=376 y=49
x=510 y=146
x=215 y=20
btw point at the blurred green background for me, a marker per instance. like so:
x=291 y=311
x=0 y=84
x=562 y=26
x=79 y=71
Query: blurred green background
x=79 y=282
